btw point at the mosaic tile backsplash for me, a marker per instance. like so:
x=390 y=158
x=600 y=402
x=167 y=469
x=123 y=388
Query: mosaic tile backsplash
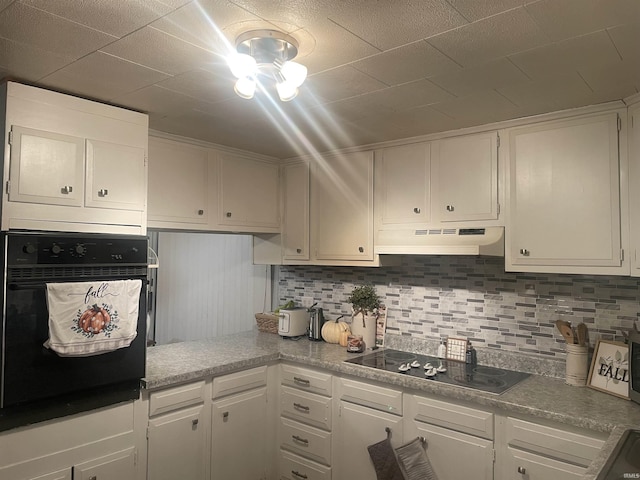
x=430 y=297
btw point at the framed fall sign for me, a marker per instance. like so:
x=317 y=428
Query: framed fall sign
x=609 y=370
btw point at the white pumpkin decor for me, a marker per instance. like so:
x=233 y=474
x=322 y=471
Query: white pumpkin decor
x=331 y=330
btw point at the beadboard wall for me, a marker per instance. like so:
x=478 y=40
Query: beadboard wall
x=430 y=297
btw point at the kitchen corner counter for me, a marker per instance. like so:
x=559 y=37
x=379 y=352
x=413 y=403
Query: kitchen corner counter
x=537 y=396
x=542 y=397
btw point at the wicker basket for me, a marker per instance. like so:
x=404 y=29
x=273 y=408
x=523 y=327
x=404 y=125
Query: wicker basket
x=267 y=322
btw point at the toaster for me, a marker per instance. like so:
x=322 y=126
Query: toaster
x=293 y=322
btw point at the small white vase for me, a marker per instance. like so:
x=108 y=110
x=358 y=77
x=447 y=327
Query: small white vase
x=366 y=328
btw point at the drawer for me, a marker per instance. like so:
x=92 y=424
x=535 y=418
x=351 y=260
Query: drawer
x=448 y=415
x=372 y=396
x=524 y=465
x=305 y=440
x=176 y=397
x=306 y=407
x=239 y=381
x=552 y=442
x=306 y=379
x=294 y=467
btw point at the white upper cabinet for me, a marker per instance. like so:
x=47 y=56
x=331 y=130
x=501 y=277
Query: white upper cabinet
x=46 y=167
x=295 y=226
x=342 y=207
x=565 y=196
x=196 y=187
x=403 y=184
x=116 y=176
x=249 y=193
x=634 y=185
x=71 y=164
x=178 y=184
x=464 y=172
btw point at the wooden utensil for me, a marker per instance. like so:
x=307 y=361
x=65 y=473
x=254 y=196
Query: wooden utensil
x=582 y=334
x=565 y=329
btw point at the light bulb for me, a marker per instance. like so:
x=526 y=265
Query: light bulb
x=294 y=73
x=242 y=65
x=245 y=87
x=286 y=91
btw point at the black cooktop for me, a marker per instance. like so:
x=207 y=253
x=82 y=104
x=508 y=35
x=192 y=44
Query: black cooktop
x=479 y=377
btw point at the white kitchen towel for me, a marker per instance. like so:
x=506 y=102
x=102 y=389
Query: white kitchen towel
x=90 y=318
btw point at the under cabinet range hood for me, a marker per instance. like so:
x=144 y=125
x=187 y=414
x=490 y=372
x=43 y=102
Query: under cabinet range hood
x=441 y=241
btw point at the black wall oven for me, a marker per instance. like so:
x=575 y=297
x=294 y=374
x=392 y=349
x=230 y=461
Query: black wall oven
x=29 y=371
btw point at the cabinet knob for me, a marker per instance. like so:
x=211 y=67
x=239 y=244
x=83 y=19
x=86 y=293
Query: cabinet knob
x=93 y=477
x=298 y=250
x=228 y=214
x=194 y=422
x=103 y=192
x=66 y=190
x=200 y=212
x=524 y=251
x=416 y=210
x=361 y=249
x=522 y=470
x=225 y=416
x=450 y=208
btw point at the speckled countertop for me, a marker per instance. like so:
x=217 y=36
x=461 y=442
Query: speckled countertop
x=539 y=396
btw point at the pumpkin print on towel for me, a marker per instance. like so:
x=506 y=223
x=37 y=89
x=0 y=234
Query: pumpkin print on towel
x=95 y=320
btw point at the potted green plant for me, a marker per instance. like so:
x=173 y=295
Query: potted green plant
x=365 y=302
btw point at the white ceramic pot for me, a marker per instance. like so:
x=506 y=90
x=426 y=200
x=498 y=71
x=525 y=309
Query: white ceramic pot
x=365 y=327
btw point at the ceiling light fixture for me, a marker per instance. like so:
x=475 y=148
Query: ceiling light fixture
x=267 y=54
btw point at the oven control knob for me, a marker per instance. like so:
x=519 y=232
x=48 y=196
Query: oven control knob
x=80 y=250
x=56 y=249
x=29 y=248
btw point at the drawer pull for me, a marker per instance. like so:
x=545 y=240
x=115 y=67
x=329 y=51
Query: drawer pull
x=302 y=381
x=93 y=477
x=298 y=439
x=522 y=470
x=301 y=407
x=298 y=474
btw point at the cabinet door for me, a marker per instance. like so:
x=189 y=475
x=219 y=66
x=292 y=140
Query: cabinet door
x=357 y=428
x=295 y=227
x=178 y=183
x=634 y=185
x=46 y=167
x=248 y=192
x=65 y=474
x=464 y=174
x=116 y=176
x=117 y=465
x=239 y=436
x=403 y=184
x=176 y=445
x=564 y=194
x=342 y=207
x=454 y=455
x=521 y=465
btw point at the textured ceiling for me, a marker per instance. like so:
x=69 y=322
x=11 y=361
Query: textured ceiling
x=378 y=70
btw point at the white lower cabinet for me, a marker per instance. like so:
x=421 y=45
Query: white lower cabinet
x=295 y=467
x=239 y=436
x=459 y=439
x=305 y=436
x=177 y=433
x=98 y=445
x=119 y=465
x=532 y=451
x=362 y=419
